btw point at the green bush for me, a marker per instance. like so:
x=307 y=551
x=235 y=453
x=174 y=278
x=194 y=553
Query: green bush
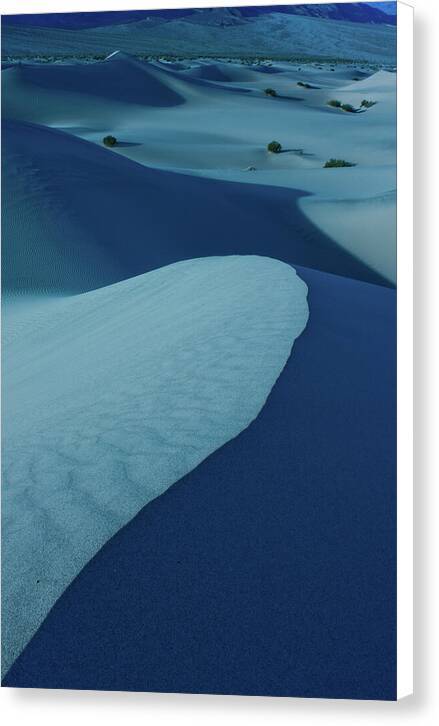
x=347 y=107
x=334 y=103
x=109 y=140
x=270 y=92
x=335 y=163
x=367 y=104
x=275 y=147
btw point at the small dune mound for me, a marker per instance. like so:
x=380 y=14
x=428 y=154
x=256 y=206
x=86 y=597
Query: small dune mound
x=266 y=69
x=171 y=66
x=208 y=72
x=380 y=82
x=226 y=72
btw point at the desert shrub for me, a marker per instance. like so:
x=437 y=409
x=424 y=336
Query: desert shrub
x=347 y=107
x=303 y=85
x=335 y=163
x=334 y=103
x=367 y=104
x=270 y=92
x=274 y=146
x=109 y=140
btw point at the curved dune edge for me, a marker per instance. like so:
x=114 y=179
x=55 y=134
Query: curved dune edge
x=114 y=395
x=373 y=218
x=65 y=236
x=152 y=611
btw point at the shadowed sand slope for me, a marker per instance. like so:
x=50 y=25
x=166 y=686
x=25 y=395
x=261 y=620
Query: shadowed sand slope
x=114 y=395
x=269 y=569
x=78 y=216
x=214 y=120
x=209 y=72
x=120 y=78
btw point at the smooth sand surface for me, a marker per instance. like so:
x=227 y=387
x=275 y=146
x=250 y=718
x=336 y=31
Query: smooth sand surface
x=177 y=120
x=79 y=216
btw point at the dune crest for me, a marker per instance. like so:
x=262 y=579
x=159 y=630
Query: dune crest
x=374 y=220
x=114 y=395
x=98 y=218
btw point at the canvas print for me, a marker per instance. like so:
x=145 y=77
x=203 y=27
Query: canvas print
x=199 y=350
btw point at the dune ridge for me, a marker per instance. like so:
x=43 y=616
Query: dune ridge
x=270 y=568
x=66 y=225
x=193 y=120
x=113 y=395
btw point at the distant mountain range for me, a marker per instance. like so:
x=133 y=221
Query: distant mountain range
x=378 y=13
x=276 y=32
x=386 y=7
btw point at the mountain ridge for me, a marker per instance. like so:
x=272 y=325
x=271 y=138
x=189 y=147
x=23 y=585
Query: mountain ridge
x=223 y=16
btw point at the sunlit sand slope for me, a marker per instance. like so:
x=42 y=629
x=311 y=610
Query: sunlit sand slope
x=113 y=395
x=214 y=120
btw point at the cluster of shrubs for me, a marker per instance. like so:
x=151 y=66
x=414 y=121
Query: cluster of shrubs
x=348 y=107
x=270 y=92
x=367 y=104
x=336 y=163
x=109 y=140
x=275 y=147
x=344 y=106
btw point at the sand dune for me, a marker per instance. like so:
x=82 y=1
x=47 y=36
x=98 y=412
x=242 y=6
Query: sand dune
x=113 y=395
x=208 y=72
x=379 y=87
x=293 y=522
x=379 y=82
x=119 y=78
x=81 y=216
x=63 y=93
x=229 y=72
x=373 y=220
x=124 y=370
x=183 y=120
